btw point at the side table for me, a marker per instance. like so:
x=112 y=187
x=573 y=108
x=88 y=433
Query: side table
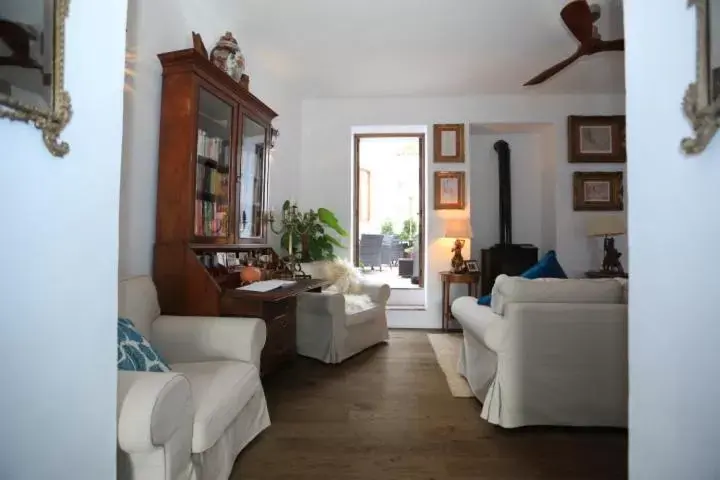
x=604 y=274
x=472 y=279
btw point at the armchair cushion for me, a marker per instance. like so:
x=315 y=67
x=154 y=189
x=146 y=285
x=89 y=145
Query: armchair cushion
x=203 y=339
x=220 y=391
x=151 y=407
x=134 y=351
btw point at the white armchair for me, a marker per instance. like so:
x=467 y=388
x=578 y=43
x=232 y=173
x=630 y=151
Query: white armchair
x=155 y=416
x=547 y=352
x=190 y=423
x=332 y=327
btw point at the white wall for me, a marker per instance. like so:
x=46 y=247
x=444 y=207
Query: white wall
x=159 y=26
x=674 y=224
x=327 y=146
x=59 y=276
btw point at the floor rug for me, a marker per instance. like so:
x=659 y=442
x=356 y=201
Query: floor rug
x=447 y=352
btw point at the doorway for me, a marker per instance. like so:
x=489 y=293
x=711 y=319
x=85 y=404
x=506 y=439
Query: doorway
x=389 y=203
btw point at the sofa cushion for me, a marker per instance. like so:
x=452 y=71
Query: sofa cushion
x=625 y=287
x=137 y=300
x=554 y=290
x=220 y=390
x=547 y=267
x=134 y=352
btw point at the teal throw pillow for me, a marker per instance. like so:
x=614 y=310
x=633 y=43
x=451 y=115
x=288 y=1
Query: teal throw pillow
x=134 y=351
x=547 y=267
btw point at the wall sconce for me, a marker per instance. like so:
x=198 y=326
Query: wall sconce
x=274 y=134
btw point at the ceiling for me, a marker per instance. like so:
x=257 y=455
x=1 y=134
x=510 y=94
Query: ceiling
x=350 y=48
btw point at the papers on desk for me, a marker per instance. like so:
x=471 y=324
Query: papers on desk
x=266 y=285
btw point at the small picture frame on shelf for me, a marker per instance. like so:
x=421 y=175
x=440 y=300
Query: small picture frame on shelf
x=232 y=260
x=472 y=266
x=596 y=139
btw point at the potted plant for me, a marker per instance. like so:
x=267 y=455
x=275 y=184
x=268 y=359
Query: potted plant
x=408 y=234
x=316 y=234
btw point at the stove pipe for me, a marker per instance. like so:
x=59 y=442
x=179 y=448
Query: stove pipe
x=503 y=150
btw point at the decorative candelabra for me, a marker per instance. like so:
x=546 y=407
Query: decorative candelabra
x=295 y=224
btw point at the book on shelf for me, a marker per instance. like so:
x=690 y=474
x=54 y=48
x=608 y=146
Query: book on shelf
x=214 y=148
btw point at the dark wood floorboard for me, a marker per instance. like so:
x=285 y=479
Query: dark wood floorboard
x=387 y=414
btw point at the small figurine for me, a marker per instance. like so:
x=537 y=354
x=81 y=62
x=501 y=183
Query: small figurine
x=611 y=262
x=457 y=262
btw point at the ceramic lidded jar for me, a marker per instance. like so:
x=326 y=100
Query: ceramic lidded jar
x=227 y=56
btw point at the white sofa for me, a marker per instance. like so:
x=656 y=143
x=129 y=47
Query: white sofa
x=190 y=423
x=548 y=352
x=333 y=326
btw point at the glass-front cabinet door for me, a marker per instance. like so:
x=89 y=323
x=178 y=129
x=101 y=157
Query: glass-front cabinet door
x=212 y=176
x=251 y=182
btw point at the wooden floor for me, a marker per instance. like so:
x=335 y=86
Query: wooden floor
x=388 y=414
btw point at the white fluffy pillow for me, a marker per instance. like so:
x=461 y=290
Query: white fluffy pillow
x=343 y=275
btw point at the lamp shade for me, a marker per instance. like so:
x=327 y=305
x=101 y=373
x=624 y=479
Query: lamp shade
x=602 y=225
x=458 y=228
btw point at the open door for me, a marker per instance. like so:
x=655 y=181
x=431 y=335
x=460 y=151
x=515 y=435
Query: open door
x=389 y=207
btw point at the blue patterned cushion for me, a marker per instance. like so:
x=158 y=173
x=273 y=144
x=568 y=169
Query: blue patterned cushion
x=134 y=351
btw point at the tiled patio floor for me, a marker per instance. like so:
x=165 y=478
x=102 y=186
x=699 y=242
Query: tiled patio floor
x=390 y=276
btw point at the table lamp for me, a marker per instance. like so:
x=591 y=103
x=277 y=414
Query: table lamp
x=459 y=229
x=608 y=226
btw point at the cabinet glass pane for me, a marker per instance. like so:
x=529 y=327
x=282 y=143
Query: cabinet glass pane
x=212 y=179
x=251 y=179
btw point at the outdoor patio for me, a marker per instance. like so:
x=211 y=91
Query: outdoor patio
x=389 y=275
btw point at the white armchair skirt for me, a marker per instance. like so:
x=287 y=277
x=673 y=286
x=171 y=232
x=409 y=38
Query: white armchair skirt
x=332 y=327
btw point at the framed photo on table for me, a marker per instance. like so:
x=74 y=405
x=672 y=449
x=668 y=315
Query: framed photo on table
x=598 y=191
x=472 y=266
x=596 y=139
x=449 y=190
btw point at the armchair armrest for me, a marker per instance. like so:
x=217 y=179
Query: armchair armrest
x=379 y=293
x=151 y=407
x=202 y=339
x=320 y=325
x=322 y=304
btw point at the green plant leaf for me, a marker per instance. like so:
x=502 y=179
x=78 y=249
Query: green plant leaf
x=329 y=219
x=286 y=205
x=334 y=241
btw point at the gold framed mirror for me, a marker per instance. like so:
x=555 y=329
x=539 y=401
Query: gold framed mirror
x=32 y=83
x=702 y=98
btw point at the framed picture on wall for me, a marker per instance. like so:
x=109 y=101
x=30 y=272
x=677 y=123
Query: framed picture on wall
x=449 y=190
x=449 y=143
x=598 y=191
x=596 y=139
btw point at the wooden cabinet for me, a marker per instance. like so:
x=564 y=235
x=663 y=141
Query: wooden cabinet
x=214 y=150
x=211 y=199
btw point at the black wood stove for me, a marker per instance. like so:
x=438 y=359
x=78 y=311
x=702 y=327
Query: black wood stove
x=504 y=257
